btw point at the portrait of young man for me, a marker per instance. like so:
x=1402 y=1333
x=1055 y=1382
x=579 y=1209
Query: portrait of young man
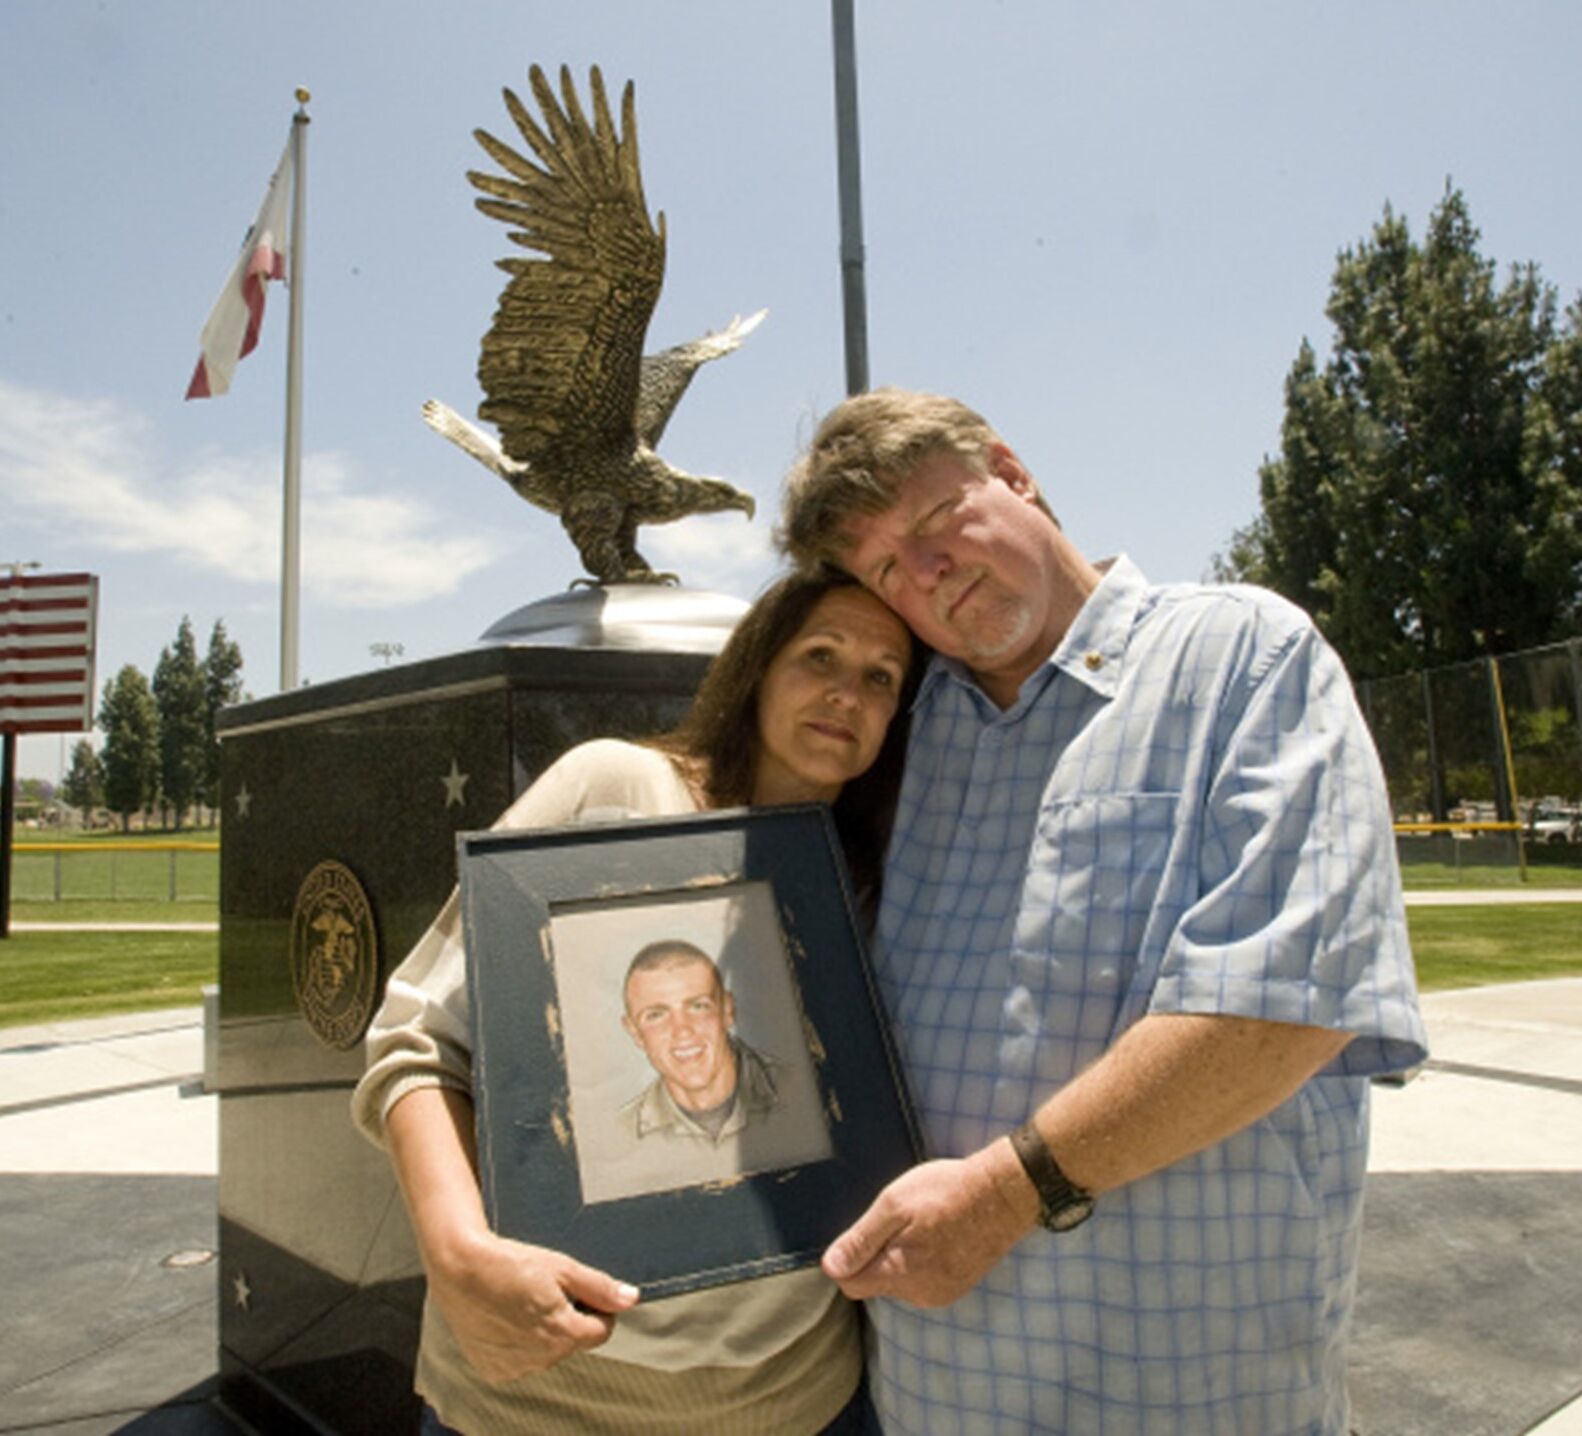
x=687 y=1060
x=709 y=1083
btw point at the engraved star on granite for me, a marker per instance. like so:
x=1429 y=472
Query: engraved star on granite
x=455 y=783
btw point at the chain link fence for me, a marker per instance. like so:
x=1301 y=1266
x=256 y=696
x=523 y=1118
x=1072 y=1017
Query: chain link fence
x=115 y=872
x=1482 y=754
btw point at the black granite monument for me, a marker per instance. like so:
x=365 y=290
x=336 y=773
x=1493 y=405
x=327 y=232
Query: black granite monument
x=342 y=805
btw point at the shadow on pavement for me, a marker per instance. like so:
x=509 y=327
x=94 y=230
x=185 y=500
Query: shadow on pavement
x=112 y=1308
x=1467 y=1320
x=1469 y=1313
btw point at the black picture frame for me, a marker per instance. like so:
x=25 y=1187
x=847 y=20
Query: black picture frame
x=534 y=906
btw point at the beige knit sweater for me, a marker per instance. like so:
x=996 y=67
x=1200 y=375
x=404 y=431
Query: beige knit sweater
x=779 y=1354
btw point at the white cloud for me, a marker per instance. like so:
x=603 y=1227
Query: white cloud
x=719 y=552
x=86 y=468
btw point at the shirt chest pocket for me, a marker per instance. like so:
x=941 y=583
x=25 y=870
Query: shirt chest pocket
x=1094 y=873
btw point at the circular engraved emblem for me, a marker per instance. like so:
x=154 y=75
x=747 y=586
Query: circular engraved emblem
x=334 y=955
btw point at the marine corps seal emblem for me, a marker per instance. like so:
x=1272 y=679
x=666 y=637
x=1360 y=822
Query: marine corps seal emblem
x=334 y=955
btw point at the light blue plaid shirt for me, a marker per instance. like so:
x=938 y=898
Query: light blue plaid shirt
x=1183 y=812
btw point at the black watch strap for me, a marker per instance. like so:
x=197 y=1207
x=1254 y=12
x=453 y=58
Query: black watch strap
x=1062 y=1203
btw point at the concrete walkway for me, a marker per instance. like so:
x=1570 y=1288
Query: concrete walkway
x=1469 y=1318
x=1488 y=897
x=108 y=1156
x=1469 y=1315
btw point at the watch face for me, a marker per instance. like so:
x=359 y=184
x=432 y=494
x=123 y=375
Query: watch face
x=1071 y=1214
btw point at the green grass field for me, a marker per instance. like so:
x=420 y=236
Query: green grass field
x=1475 y=946
x=1421 y=876
x=56 y=976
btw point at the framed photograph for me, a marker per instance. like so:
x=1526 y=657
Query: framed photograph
x=681 y=1071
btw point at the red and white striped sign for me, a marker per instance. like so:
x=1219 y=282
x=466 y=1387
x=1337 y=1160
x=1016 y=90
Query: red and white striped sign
x=47 y=626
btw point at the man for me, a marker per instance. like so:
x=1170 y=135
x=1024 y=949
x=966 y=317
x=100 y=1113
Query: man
x=710 y=1083
x=1142 y=942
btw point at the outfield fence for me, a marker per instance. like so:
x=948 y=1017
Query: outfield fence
x=1482 y=742
x=116 y=872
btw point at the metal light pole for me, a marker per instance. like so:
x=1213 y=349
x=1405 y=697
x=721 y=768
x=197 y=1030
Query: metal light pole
x=849 y=170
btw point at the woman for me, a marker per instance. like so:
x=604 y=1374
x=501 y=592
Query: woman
x=797 y=707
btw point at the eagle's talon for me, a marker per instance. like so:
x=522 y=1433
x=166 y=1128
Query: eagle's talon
x=636 y=575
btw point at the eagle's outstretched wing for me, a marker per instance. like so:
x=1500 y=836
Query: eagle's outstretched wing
x=665 y=376
x=560 y=364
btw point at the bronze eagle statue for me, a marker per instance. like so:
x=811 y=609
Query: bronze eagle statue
x=578 y=406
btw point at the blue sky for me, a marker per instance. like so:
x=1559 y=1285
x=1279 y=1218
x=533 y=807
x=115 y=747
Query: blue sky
x=1107 y=226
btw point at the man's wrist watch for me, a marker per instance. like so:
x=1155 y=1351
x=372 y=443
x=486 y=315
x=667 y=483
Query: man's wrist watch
x=1062 y=1204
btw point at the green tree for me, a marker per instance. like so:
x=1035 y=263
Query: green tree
x=83 y=785
x=1426 y=504
x=1544 y=741
x=131 y=744
x=32 y=798
x=222 y=686
x=179 y=696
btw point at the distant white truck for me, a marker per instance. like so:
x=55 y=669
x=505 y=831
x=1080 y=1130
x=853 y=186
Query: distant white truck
x=1553 y=824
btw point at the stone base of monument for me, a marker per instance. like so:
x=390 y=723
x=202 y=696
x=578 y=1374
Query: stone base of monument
x=342 y=804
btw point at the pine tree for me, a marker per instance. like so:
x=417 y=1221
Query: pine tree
x=222 y=686
x=83 y=785
x=131 y=744
x=179 y=695
x=1426 y=505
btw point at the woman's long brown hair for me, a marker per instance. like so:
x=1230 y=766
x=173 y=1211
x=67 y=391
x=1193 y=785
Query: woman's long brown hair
x=717 y=744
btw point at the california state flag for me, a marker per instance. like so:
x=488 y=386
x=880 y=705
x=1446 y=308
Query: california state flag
x=232 y=331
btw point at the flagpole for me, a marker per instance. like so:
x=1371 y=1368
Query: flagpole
x=291 y=516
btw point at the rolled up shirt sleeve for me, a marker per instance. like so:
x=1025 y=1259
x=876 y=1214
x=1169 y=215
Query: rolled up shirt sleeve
x=1299 y=915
